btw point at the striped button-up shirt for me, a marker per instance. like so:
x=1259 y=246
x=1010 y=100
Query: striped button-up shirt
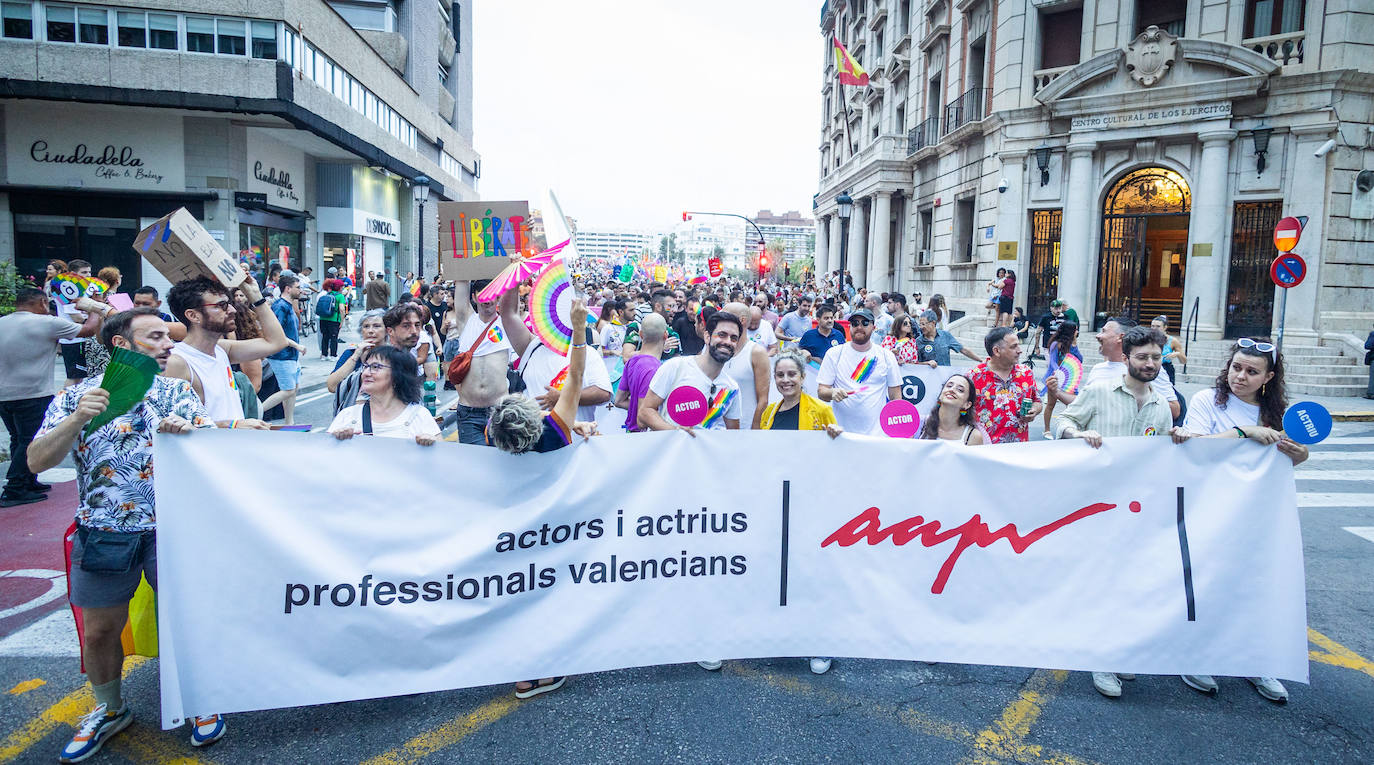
x=1108 y=408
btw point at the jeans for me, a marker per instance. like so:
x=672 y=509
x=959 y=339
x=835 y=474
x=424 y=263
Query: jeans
x=1369 y=392
x=22 y=418
x=472 y=424
x=329 y=338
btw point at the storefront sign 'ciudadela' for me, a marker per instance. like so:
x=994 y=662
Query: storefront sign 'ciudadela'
x=111 y=162
x=281 y=179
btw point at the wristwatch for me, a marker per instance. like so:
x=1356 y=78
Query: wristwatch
x=260 y=302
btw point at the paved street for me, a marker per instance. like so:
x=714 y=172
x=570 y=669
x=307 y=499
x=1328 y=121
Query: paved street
x=773 y=710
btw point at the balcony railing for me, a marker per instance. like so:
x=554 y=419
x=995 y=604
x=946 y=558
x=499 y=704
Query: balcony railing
x=925 y=134
x=1286 y=48
x=970 y=107
x=1044 y=77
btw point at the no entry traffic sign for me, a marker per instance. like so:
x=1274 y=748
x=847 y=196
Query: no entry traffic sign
x=1287 y=233
x=1288 y=270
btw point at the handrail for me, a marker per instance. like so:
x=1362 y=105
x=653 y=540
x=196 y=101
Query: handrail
x=1190 y=323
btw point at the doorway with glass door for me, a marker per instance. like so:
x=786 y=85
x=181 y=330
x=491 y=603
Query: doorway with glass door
x=1144 y=248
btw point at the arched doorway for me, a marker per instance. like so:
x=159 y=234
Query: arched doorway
x=1144 y=247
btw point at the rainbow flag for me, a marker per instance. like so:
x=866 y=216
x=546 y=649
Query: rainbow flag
x=719 y=404
x=864 y=370
x=494 y=334
x=850 y=73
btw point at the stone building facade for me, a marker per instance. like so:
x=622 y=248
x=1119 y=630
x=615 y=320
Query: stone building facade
x=1129 y=156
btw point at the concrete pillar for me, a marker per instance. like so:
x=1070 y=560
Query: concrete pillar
x=822 y=243
x=858 y=240
x=1309 y=195
x=1080 y=211
x=1205 y=277
x=882 y=246
x=836 y=231
x=1011 y=219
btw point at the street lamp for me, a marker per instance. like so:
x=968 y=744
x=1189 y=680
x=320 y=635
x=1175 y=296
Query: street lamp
x=421 y=188
x=846 y=206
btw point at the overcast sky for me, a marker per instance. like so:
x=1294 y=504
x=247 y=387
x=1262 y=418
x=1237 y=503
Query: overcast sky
x=635 y=110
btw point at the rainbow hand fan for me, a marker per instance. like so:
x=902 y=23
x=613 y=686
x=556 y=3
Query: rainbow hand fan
x=519 y=272
x=127 y=378
x=69 y=288
x=1070 y=374
x=550 y=316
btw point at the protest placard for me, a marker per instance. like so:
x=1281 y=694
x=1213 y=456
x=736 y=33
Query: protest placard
x=477 y=238
x=180 y=248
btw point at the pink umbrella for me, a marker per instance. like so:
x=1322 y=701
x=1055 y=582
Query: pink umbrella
x=519 y=272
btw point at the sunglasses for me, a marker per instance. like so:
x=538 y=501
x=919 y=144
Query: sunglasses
x=1268 y=348
x=860 y=322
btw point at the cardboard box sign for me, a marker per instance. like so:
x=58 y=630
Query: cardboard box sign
x=477 y=238
x=180 y=248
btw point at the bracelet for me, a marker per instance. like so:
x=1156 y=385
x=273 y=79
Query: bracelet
x=233 y=424
x=576 y=345
x=260 y=302
x=1240 y=432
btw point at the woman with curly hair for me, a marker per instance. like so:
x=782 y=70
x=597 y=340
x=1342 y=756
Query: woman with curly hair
x=952 y=419
x=1248 y=401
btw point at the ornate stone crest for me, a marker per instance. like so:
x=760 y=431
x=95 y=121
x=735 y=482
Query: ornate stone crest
x=1150 y=55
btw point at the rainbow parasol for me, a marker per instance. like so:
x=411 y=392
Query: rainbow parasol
x=697 y=280
x=550 y=316
x=1070 y=372
x=519 y=272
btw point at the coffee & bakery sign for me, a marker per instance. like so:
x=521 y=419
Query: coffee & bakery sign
x=276 y=171
x=93 y=148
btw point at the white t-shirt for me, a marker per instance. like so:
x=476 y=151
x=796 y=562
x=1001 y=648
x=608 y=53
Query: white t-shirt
x=541 y=365
x=70 y=312
x=740 y=367
x=494 y=341
x=723 y=404
x=1115 y=370
x=764 y=335
x=865 y=377
x=1206 y=418
x=413 y=421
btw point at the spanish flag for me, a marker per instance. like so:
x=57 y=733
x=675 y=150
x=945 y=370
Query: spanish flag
x=850 y=71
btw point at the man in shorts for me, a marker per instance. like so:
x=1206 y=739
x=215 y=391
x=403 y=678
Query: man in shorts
x=286 y=363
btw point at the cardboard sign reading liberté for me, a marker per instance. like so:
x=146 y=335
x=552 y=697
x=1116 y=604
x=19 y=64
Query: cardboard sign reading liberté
x=180 y=248
x=476 y=238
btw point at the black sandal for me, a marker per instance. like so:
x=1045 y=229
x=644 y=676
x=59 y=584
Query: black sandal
x=535 y=688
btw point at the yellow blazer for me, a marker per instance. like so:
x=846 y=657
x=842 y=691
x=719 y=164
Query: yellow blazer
x=814 y=415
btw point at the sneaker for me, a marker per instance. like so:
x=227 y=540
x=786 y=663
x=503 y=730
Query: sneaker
x=710 y=666
x=21 y=498
x=1270 y=688
x=1107 y=684
x=207 y=730
x=820 y=666
x=95 y=729
x=1204 y=683
x=1125 y=676
x=39 y=486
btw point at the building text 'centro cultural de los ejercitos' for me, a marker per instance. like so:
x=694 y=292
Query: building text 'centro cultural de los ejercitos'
x=1131 y=157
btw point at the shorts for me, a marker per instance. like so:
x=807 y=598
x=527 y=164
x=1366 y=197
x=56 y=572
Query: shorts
x=1004 y=305
x=74 y=359
x=102 y=589
x=287 y=372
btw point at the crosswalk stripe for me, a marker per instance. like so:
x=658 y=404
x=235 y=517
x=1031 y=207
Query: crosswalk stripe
x=1334 y=475
x=1324 y=499
x=1366 y=532
x=1314 y=456
x=1348 y=440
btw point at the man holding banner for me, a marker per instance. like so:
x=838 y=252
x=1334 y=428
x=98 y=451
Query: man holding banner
x=858 y=378
x=704 y=372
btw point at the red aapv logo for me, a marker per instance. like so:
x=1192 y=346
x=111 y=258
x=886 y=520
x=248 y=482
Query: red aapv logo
x=868 y=526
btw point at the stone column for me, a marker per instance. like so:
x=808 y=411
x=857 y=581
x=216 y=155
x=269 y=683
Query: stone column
x=836 y=231
x=1075 y=252
x=858 y=239
x=1205 y=278
x=1310 y=195
x=822 y=244
x=882 y=246
x=1012 y=219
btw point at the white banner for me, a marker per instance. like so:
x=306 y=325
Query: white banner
x=336 y=575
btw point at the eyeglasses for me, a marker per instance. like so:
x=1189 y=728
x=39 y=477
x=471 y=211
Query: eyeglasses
x=1268 y=348
x=374 y=367
x=223 y=305
x=859 y=322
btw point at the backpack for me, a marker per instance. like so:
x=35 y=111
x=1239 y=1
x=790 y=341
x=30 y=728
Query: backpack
x=346 y=394
x=326 y=307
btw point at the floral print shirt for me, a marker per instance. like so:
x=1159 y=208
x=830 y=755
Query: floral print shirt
x=114 y=465
x=999 y=402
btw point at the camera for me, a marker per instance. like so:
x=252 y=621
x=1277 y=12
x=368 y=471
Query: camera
x=1325 y=148
x=1002 y=185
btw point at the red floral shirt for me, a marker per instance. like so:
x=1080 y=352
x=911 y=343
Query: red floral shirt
x=999 y=402
x=906 y=350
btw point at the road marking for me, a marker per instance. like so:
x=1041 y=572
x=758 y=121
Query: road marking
x=1334 y=475
x=1337 y=655
x=57 y=587
x=1335 y=500
x=148 y=745
x=1348 y=440
x=27 y=686
x=449 y=733
x=1366 y=532
x=67 y=711
x=52 y=636
x=1315 y=456
x=1005 y=738
x=314 y=397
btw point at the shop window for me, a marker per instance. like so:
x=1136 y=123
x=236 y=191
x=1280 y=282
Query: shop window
x=1061 y=35
x=18 y=21
x=264 y=39
x=94 y=26
x=1274 y=17
x=1169 y=15
x=200 y=35
x=233 y=40
x=162 y=31
x=132 y=29
x=61 y=23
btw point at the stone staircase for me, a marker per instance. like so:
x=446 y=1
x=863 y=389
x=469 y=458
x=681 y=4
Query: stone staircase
x=1311 y=370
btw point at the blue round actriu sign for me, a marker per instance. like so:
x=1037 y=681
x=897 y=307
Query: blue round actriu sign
x=1307 y=422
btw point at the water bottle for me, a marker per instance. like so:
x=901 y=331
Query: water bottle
x=431 y=396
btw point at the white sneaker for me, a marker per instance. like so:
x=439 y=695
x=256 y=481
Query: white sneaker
x=1270 y=688
x=1107 y=684
x=820 y=666
x=710 y=666
x=1125 y=675
x=1204 y=683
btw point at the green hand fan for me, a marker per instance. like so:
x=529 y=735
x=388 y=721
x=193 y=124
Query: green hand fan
x=128 y=377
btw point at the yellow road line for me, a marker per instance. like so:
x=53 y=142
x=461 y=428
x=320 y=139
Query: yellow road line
x=67 y=711
x=1337 y=654
x=27 y=686
x=449 y=733
x=149 y=746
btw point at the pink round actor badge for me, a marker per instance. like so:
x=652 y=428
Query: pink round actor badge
x=899 y=419
x=686 y=406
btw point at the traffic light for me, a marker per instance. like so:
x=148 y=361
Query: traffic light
x=763 y=265
x=686 y=216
